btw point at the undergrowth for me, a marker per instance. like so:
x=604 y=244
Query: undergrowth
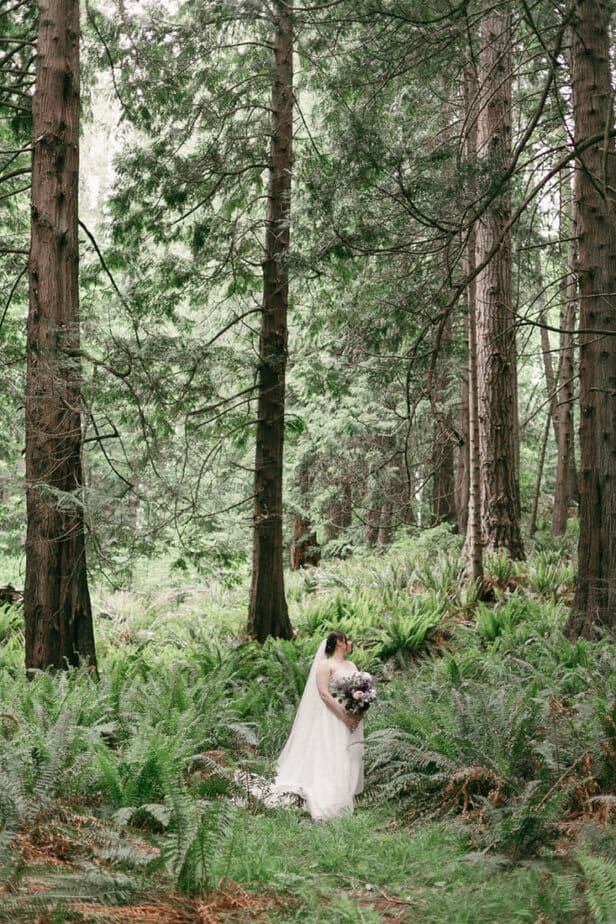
x=490 y=755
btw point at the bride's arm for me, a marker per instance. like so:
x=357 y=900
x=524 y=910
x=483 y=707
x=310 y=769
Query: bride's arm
x=323 y=673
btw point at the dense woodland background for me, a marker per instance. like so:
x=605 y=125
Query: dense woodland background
x=326 y=289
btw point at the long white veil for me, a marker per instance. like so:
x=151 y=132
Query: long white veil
x=307 y=712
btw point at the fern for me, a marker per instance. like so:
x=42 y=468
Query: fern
x=499 y=566
x=200 y=832
x=11 y=622
x=526 y=824
x=600 y=882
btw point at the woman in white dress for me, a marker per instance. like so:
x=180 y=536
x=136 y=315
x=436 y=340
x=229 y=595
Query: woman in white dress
x=322 y=761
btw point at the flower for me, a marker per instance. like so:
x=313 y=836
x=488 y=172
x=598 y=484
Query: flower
x=354 y=691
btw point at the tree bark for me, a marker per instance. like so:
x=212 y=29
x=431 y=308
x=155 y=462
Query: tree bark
x=406 y=512
x=371 y=529
x=548 y=365
x=386 y=522
x=496 y=347
x=304 y=544
x=566 y=489
x=340 y=512
x=57 y=610
x=473 y=545
x=268 y=613
x=595 y=597
x=463 y=460
x=443 y=478
x=532 y=528
x=305 y=549
x=546 y=350
x=443 y=481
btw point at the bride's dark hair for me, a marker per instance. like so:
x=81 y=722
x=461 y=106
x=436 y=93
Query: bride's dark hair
x=332 y=640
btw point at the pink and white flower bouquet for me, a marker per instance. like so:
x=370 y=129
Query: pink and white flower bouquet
x=354 y=691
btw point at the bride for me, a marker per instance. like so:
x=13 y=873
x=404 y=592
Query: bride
x=322 y=761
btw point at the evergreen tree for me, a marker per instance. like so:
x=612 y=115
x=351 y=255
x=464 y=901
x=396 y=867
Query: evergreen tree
x=268 y=608
x=595 y=597
x=57 y=609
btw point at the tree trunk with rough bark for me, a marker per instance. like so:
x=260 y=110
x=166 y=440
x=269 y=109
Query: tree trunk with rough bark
x=443 y=480
x=532 y=527
x=373 y=520
x=595 y=597
x=443 y=440
x=548 y=368
x=566 y=489
x=386 y=522
x=496 y=347
x=463 y=459
x=340 y=512
x=305 y=549
x=473 y=545
x=57 y=610
x=304 y=544
x=268 y=614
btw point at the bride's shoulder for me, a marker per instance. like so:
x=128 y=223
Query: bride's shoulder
x=351 y=665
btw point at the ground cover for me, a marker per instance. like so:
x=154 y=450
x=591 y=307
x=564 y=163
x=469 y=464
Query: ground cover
x=491 y=756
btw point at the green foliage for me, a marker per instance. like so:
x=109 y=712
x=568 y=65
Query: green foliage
x=523 y=827
x=501 y=619
x=407 y=632
x=201 y=838
x=499 y=566
x=11 y=622
x=493 y=737
x=600 y=886
x=549 y=574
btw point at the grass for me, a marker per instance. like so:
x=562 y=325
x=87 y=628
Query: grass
x=491 y=755
x=368 y=867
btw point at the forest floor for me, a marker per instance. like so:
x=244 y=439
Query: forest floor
x=491 y=756
x=370 y=868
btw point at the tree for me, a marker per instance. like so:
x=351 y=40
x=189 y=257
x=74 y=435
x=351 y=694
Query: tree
x=473 y=541
x=496 y=348
x=57 y=609
x=595 y=596
x=268 y=614
x=443 y=478
x=566 y=488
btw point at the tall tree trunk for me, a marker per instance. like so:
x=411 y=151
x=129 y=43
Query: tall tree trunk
x=496 y=348
x=532 y=529
x=371 y=529
x=546 y=351
x=404 y=493
x=463 y=459
x=268 y=614
x=473 y=545
x=340 y=512
x=385 y=522
x=566 y=474
x=305 y=548
x=57 y=610
x=443 y=482
x=595 y=596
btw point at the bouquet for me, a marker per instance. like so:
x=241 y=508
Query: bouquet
x=354 y=691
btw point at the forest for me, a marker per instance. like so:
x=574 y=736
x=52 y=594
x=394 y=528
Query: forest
x=307 y=323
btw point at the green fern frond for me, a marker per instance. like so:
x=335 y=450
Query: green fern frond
x=600 y=880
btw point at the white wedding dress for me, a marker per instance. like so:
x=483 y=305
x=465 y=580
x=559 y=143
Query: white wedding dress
x=322 y=761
